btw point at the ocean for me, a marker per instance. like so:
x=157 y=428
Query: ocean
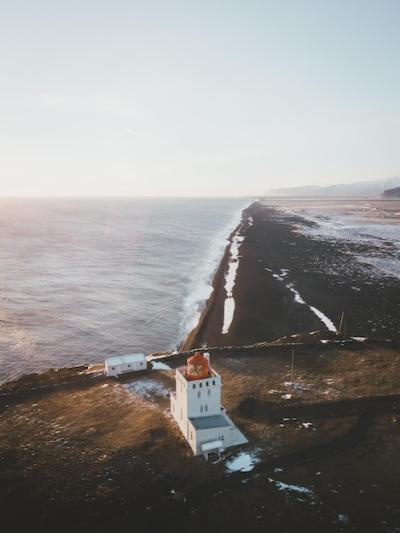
x=84 y=279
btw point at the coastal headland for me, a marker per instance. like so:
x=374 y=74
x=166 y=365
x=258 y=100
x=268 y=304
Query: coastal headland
x=81 y=452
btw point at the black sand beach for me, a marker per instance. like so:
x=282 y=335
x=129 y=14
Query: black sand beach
x=326 y=274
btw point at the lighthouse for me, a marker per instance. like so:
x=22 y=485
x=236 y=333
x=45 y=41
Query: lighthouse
x=196 y=407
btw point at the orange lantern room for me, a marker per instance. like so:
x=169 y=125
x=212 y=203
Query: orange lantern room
x=197 y=367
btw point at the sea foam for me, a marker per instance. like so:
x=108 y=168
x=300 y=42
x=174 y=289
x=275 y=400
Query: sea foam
x=201 y=290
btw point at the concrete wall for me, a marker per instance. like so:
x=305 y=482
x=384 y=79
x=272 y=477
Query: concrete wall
x=204 y=397
x=201 y=397
x=207 y=435
x=181 y=404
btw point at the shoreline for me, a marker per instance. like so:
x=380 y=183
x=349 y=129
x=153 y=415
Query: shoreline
x=218 y=249
x=272 y=301
x=196 y=337
x=288 y=282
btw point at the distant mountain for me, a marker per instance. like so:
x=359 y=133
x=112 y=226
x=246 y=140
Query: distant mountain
x=392 y=193
x=361 y=188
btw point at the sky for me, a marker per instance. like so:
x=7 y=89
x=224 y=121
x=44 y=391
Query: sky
x=196 y=98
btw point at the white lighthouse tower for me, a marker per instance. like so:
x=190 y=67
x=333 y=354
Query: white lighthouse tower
x=196 y=407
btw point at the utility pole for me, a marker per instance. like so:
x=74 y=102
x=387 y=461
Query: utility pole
x=341 y=324
x=292 y=372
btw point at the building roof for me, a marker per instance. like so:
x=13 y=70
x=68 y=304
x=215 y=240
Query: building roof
x=213 y=445
x=212 y=374
x=124 y=359
x=209 y=422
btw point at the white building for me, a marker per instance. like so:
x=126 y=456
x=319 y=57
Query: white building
x=196 y=407
x=114 y=366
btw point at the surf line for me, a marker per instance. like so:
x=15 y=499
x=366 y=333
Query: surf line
x=195 y=301
x=297 y=298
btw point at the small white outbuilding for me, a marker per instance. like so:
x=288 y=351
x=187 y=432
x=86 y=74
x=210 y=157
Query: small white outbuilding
x=115 y=366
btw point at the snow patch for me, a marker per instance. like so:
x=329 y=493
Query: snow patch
x=300 y=300
x=244 y=462
x=158 y=365
x=353 y=227
x=327 y=321
x=230 y=277
x=280 y=485
x=229 y=311
x=146 y=388
x=297 y=297
x=343 y=518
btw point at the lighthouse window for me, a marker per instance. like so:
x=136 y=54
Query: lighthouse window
x=206 y=383
x=200 y=385
x=209 y=392
x=194 y=385
x=213 y=381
